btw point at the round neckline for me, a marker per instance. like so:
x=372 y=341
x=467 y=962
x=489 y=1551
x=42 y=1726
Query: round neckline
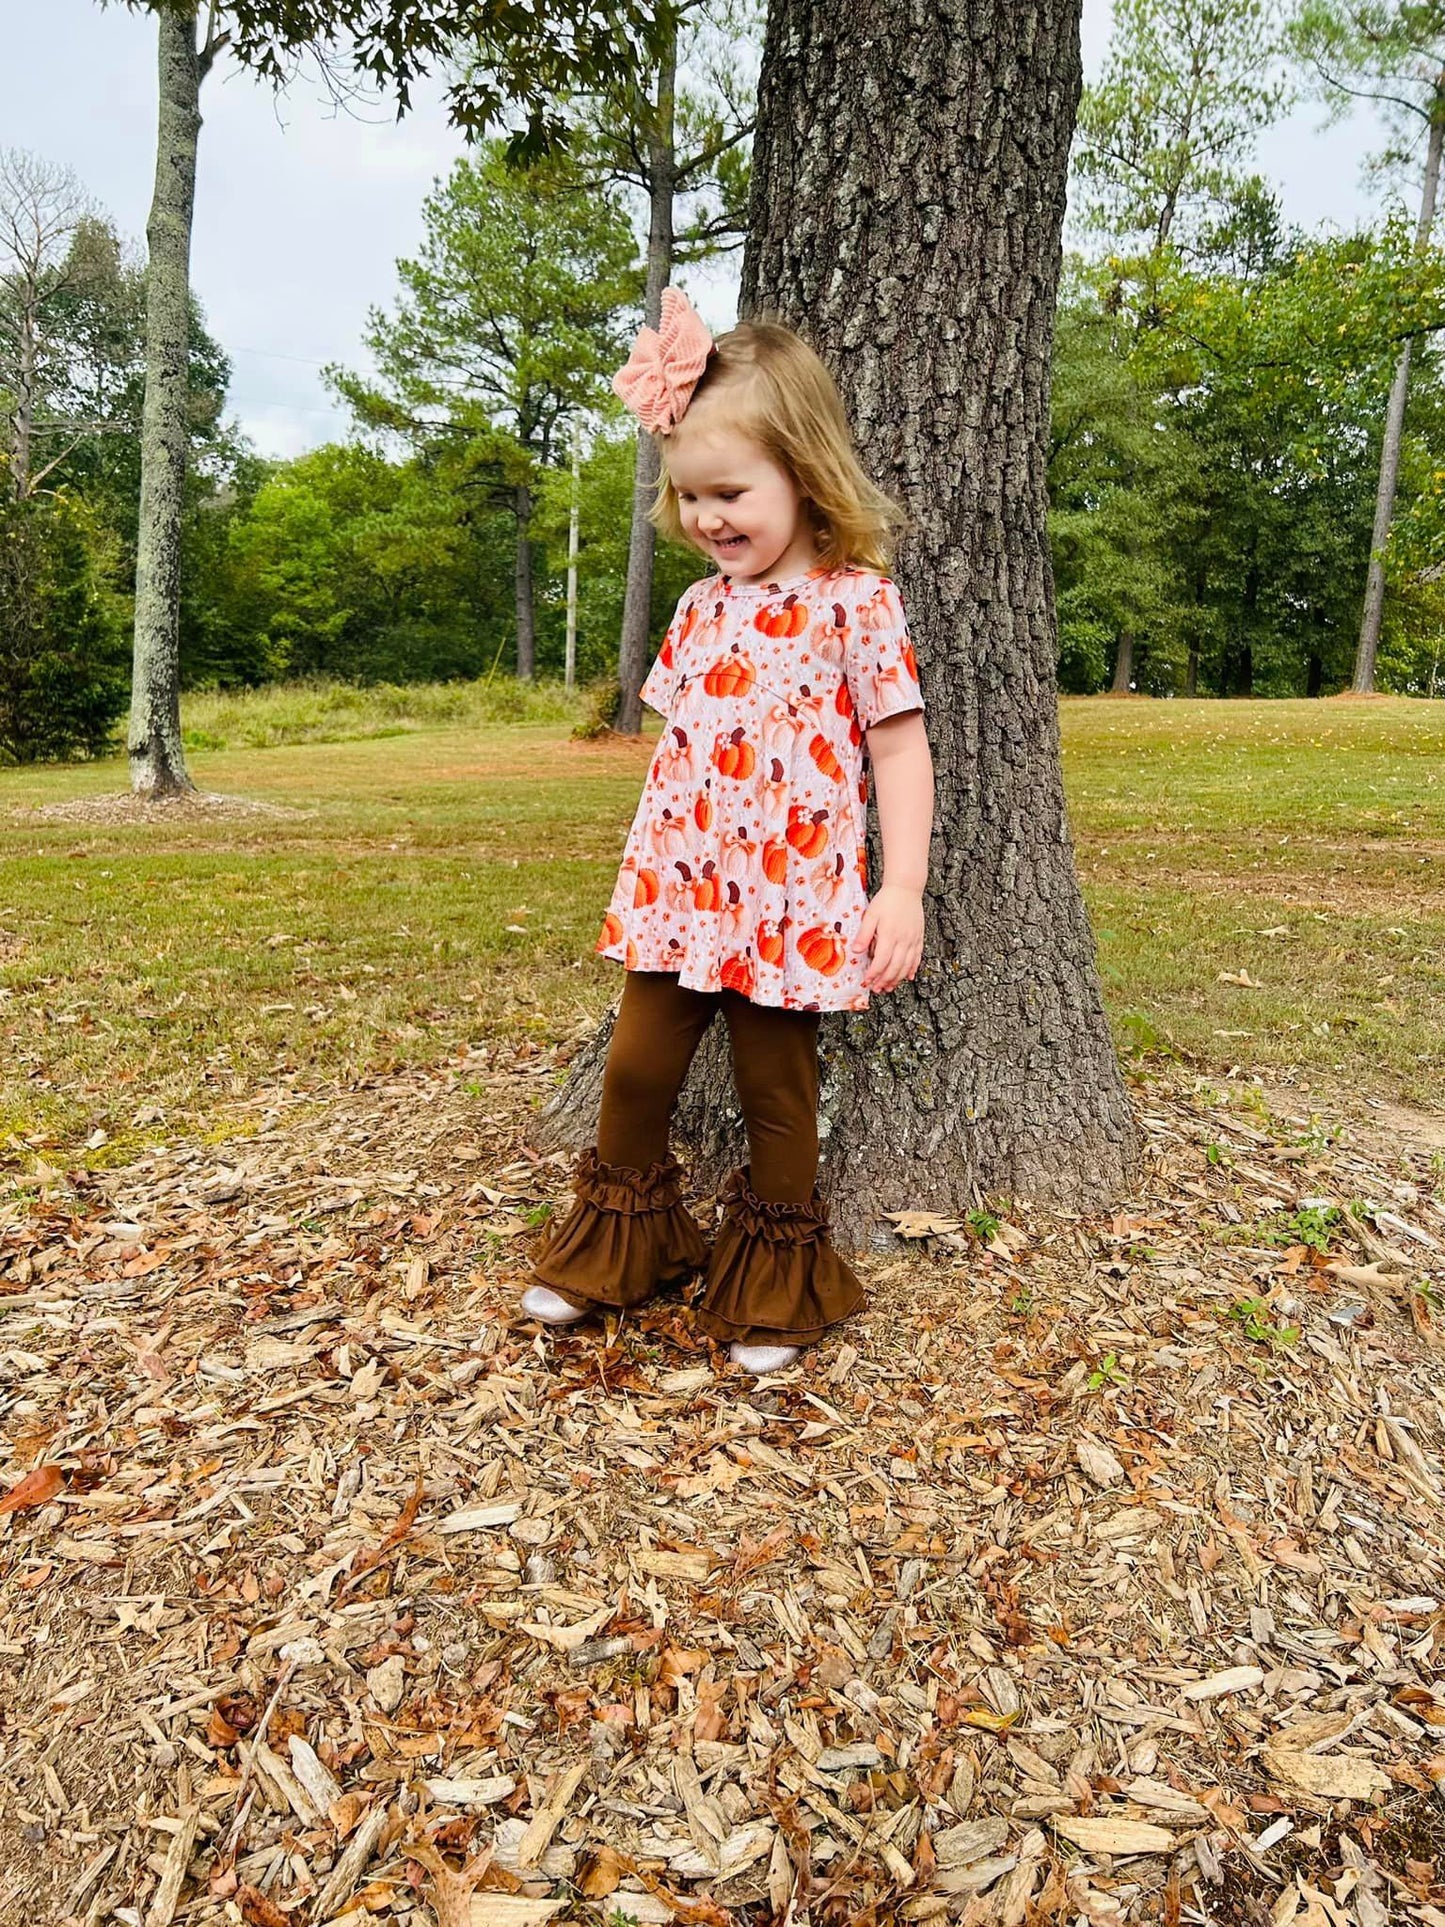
x=774 y=584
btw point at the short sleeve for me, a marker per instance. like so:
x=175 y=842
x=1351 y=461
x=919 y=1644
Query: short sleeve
x=659 y=688
x=881 y=667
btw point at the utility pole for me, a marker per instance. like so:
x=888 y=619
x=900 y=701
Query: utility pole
x=573 y=527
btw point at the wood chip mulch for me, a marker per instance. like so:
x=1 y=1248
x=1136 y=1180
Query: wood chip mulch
x=124 y=806
x=1095 y=1574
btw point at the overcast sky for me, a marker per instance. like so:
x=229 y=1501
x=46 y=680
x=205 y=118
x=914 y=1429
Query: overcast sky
x=302 y=211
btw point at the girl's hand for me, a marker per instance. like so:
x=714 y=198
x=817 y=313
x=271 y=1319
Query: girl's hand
x=891 y=934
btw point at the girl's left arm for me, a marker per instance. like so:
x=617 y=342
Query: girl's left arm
x=892 y=926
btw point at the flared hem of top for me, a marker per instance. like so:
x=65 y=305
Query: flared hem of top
x=774 y=1276
x=617 y=953
x=627 y=1232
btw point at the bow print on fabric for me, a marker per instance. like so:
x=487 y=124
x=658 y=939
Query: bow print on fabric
x=665 y=365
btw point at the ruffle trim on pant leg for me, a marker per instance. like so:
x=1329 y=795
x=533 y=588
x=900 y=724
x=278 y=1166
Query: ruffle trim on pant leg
x=774 y=1277
x=627 y=1232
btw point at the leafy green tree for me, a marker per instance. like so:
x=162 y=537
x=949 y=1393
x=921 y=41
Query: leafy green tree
x=1166 y=133
x=508 y=325
x=352 y=566
x=62 y=651
x=1162 y=177
x=224 y=614
x=1276 y=380
x=1391 y=51
x=96 y=389
x=1118 y=487
x=524 y=59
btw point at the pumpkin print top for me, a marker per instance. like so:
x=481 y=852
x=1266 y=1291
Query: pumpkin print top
x=745 y=866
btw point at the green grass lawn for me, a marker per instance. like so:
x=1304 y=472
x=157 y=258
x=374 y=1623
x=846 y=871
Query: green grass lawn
x=413 y=893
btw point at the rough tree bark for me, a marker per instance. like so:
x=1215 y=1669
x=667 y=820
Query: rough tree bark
x=642 y=544
x=1368 y=647
x=908 y=196
x=157 y=760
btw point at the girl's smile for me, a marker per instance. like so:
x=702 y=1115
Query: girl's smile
x=736 y=503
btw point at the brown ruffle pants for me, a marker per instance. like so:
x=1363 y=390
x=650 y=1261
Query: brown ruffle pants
x=772 y=1275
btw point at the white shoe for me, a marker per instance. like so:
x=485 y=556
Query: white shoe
x=762 y=1359
x=551 y=1309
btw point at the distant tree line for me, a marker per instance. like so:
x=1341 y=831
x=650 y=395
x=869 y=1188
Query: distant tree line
x=1238 y=409
x=1230 y=432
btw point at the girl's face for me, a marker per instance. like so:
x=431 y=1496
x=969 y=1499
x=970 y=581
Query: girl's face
x=737 y=504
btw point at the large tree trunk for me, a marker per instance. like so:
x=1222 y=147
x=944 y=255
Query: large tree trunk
x=525 y=599
x=642 y=546
x=157 y=760
x=908 y=194
x=1123 y=664
x=1368 y=646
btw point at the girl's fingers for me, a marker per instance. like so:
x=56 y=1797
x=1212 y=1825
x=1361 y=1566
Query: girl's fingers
x=882 y=968
x=900 y=962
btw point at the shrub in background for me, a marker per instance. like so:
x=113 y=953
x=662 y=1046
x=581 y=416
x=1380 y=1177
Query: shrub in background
x=63 y=657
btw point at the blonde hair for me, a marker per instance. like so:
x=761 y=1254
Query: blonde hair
x=776 y=390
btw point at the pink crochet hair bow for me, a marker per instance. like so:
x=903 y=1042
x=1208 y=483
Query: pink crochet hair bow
x=665 y=365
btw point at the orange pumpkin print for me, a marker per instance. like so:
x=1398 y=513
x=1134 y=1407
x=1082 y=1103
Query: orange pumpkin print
x=786 y=618
x=807 y=830
x=823 y=950
x=733 y=675
x=707 y=892
x=771 y=939
x=733 y=876
x=734 y=755
x=821 y=751
x=737 y=974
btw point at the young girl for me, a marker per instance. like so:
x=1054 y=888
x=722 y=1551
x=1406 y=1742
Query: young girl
x=743 y=885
